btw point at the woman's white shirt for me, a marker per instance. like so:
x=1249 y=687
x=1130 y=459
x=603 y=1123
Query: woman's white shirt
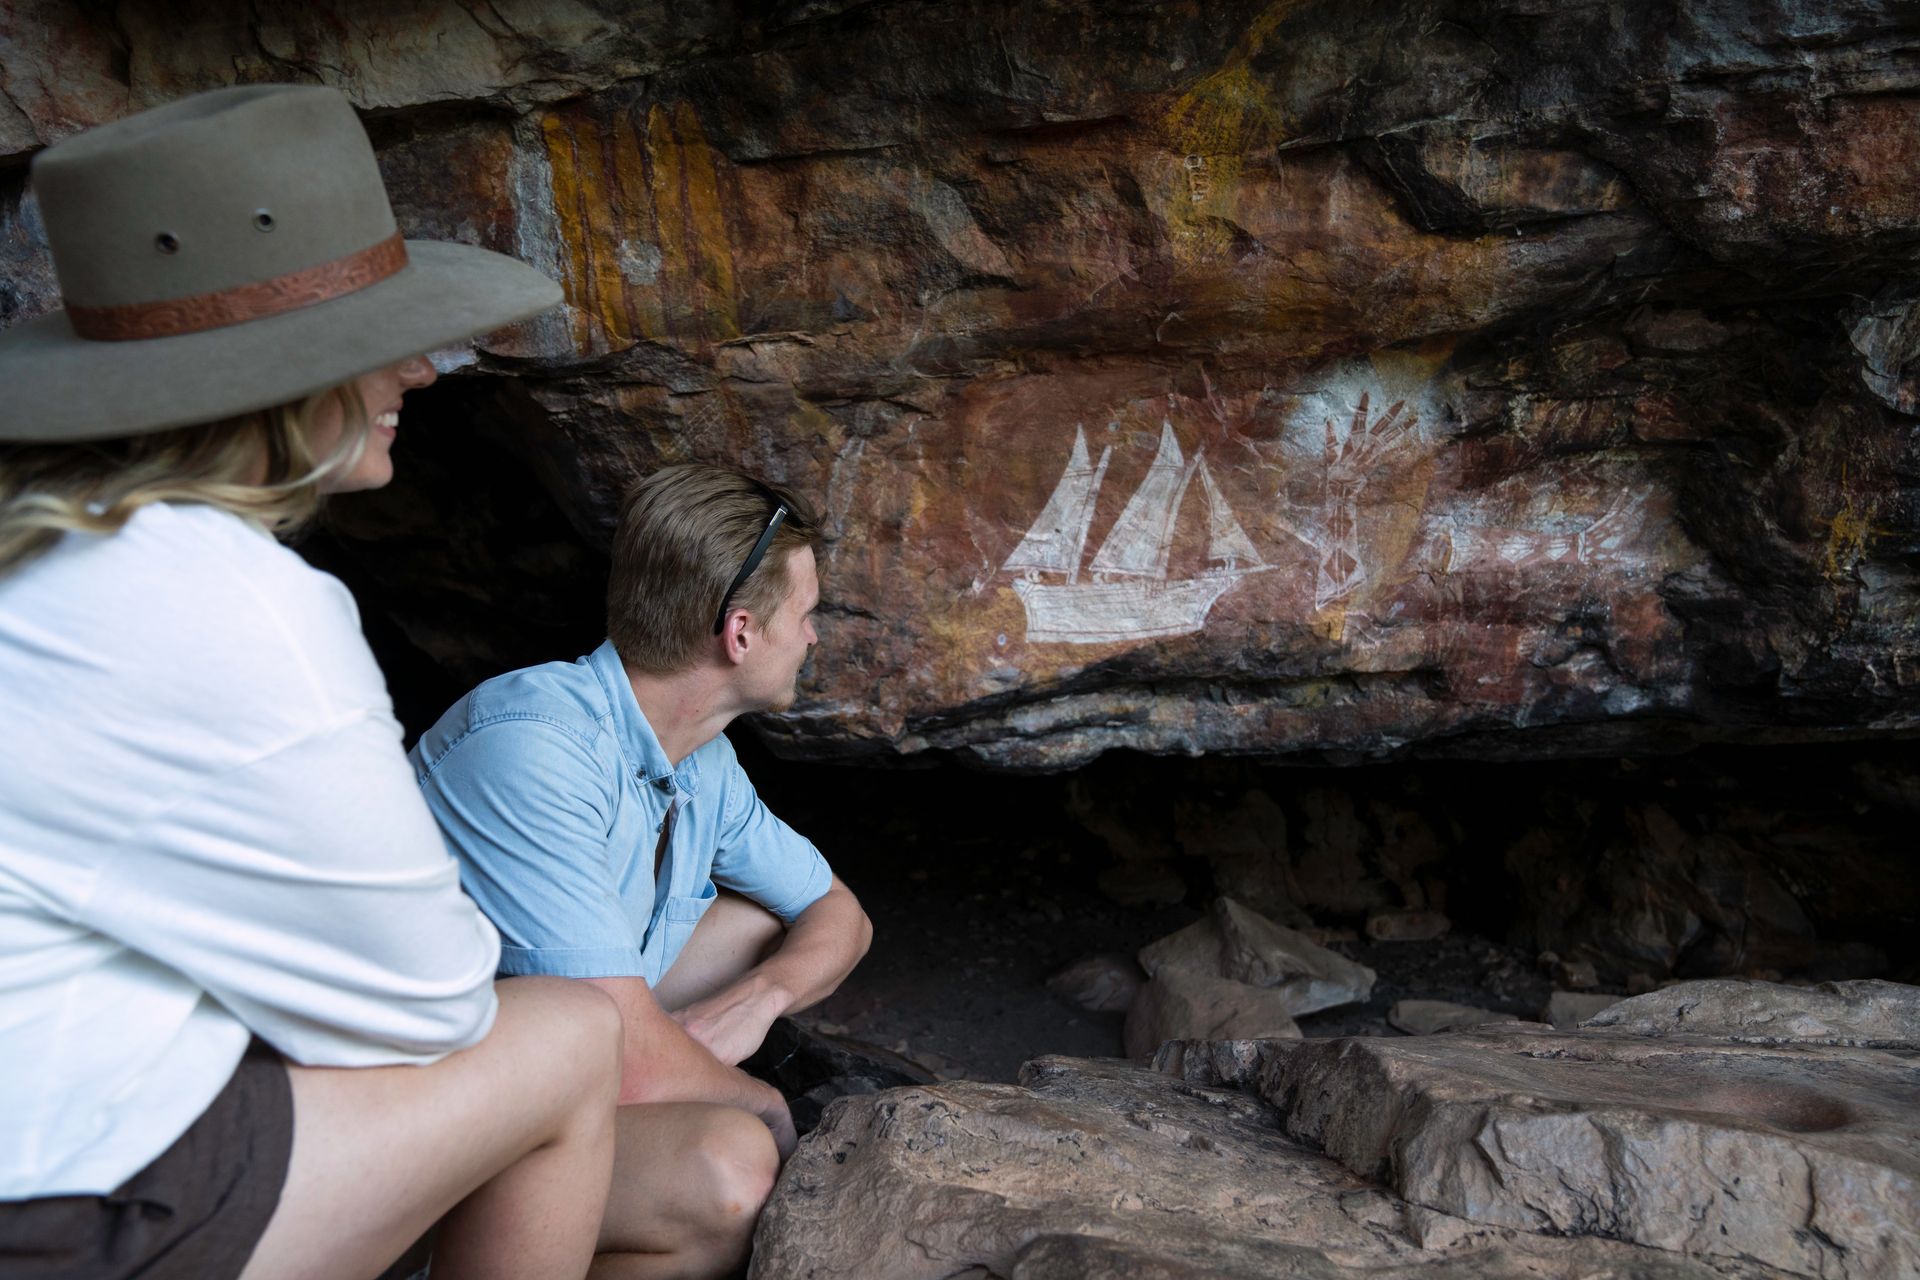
x=207 y=830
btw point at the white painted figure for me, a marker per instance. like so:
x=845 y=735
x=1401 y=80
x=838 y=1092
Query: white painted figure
x=1131 y=596
x=1341 y=568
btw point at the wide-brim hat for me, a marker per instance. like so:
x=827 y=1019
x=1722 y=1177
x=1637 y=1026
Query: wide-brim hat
x=228 y=252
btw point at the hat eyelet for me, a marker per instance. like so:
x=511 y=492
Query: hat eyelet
x=167 y=242
x=262 y=220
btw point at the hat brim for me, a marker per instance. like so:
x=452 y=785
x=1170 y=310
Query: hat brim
x=55 y=385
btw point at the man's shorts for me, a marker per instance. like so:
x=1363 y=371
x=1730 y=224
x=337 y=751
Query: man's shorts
x=195 y=1213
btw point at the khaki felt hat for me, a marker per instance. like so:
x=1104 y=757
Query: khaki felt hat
x=228 y=252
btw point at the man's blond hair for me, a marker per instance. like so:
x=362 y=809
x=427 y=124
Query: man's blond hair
x=684 y=532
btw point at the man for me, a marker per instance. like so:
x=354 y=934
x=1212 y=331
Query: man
x=603 y=823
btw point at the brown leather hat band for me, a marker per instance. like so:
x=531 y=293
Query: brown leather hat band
x=254 y=301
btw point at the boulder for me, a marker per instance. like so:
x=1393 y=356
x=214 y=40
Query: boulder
x=1184 y=1004
x=1238 y=944
x=1429 y=1017
x=1104 y=983
x=1881 y=1015
x=1805 y=1157
x=811 y=1068
x=1567 y=1009
x=1099 y=1171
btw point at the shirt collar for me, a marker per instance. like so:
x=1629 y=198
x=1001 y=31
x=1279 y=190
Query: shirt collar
x=630 y=727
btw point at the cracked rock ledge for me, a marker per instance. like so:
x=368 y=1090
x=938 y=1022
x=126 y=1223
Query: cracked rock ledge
x=1711 y=1129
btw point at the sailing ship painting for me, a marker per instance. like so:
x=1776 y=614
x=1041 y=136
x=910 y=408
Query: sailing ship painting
x=1129 y=595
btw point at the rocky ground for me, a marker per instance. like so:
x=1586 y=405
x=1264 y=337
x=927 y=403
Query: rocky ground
x=1728 y=1128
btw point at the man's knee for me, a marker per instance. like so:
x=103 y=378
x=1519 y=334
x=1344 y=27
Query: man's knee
x=733 y=1167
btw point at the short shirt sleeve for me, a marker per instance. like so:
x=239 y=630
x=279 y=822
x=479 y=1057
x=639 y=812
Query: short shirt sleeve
x=526 y=805
x=760 y=856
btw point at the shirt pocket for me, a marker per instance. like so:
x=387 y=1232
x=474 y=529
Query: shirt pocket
x=677 y=921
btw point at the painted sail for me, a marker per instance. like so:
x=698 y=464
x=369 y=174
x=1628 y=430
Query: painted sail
x=1086 y=513
x=1142 y=539
x=1053 y=543
x=1226 y=540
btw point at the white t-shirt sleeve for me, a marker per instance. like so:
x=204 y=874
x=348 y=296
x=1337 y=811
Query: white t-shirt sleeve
x=309 y=892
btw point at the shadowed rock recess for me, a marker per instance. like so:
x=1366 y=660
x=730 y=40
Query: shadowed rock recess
x=1714 y=1129
x=1475 y=376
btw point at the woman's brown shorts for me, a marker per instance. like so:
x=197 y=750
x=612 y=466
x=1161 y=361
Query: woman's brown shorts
x=195 y=1213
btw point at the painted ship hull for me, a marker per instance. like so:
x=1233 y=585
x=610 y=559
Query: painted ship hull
x=1109 y=612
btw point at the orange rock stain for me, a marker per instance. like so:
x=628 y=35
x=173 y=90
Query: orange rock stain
x=638 y=199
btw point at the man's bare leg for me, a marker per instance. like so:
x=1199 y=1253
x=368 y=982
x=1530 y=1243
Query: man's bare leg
x=689 y=1179
x=734 y=935
x=517 y=1132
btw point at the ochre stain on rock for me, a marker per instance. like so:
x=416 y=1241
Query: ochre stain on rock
x=1211 y=128
x=592 y=282
x=637 y=194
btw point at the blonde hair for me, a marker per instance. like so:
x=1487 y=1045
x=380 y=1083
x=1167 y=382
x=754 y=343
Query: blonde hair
x=684 y=533
x=259 y=465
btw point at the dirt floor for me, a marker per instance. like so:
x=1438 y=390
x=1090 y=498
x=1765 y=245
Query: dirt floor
x=981 y=886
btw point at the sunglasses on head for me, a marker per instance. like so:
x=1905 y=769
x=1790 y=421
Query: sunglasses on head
x=753 y=562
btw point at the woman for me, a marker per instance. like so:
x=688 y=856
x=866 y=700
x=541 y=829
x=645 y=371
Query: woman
x=247 y=1019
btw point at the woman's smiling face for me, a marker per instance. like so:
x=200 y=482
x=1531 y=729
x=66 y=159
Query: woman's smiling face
x=380 y=391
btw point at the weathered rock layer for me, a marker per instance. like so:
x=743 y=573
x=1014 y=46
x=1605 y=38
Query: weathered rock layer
x=1493 y=1152
x=1264 y=375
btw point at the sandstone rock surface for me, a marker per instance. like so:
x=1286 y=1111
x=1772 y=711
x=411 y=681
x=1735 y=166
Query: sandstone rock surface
x=1102 y=983
x=1244 y=947
x=1881 y=1015
x=1803 y=1156
x=1185 y=1004
x=812 y=1068
x=1099 y=1171
x=1480 y=377
x=1428 y=1017
x=1568 y=1009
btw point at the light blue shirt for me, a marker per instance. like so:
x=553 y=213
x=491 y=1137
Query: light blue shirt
x=553 y=792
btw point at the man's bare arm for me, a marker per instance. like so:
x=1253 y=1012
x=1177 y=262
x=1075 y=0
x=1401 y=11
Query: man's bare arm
x=820 y=949
x=660 y=1062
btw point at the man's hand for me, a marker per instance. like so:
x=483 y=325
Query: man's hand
x=775 y=1115
x=732 y=1022
x=662 y=1063
x=726 y=1001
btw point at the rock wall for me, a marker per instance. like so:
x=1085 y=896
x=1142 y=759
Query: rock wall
x=1274 y=376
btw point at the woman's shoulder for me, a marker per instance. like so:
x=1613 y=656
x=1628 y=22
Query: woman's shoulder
x=241 y=573
x=200 y=596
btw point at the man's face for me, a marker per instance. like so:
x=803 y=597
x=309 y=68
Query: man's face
x=786 y=637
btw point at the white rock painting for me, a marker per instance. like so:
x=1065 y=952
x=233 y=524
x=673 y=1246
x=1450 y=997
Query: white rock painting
x=1128 y=594
x=1598 y=544
x=1350 y=424
x=1356 y=427
x=1341 y=568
